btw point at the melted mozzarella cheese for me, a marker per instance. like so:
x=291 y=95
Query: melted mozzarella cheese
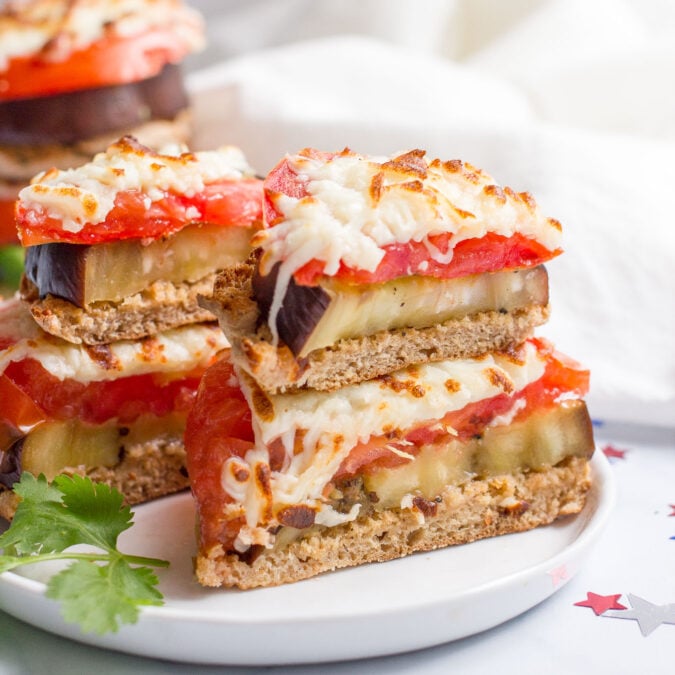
x=86 y=194
x=355 y=205
x=174 y=351
x=56 y=28
x=350 y=207
x=319 y=429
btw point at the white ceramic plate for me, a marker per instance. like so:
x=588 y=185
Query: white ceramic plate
x=373 y=610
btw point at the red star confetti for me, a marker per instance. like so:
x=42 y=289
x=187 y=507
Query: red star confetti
x=558 y=575
x=648 y=615
x=600 y=603
x=672 y=506
x=614 y=453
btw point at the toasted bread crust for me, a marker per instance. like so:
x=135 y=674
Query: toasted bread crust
x=479 y=509
x=147 y=471
x=161 y=306
x=276 y=370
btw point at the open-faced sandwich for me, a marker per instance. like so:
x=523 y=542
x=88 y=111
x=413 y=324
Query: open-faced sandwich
x=367 y=266
x=382 y=340
x=101 y=358
x=76 y=75
x=114 y=412
x=120 y=247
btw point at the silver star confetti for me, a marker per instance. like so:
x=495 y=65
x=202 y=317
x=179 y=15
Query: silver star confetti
x=648 y=615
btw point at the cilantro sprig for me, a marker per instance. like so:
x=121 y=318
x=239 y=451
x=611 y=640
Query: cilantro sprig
x=99 y=590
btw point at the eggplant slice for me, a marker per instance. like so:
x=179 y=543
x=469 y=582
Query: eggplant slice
x=313 y=317
x=84 y=274
x=74 y=116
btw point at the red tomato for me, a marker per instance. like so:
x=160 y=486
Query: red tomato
x=490 y=253
x=124 y=398
x=562 y=375
x=228 y=203
x=374 y=454
x=232 y=203
x=18 y=413
x=114 y=59
x=7 y=225
x=218 y=427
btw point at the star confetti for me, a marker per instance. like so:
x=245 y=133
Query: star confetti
x=600 y=603
x=614 y=453
x=672 y=506
x=558 y=575
x=648 y=615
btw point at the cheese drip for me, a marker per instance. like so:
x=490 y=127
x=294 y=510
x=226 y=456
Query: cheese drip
x=319 y=429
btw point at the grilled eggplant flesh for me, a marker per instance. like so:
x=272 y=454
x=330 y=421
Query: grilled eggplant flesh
x=543 y=439
x=312 y=317
x=84 y=274
x=57 y=445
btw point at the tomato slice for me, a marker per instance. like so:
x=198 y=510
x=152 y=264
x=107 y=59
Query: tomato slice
x=228 y=203
x=124 y=399
x=218 y=427
x=18 y=413
x=489 y=253
x=561 y=376
x=281 y=180
x=114 y=59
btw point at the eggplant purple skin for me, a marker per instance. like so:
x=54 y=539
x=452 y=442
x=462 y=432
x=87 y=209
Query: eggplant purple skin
x=10 y=464
x=79 y=115
x=58 y=269
x=300 y=311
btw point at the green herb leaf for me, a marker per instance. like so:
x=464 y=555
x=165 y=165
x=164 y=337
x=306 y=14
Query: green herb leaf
x=72 y=510
x=101 y=589
x=101 y=515
x=38 y=522
x=100 y=597
x=11 y=267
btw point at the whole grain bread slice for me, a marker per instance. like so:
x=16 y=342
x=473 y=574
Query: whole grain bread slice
x=277 y=370
x=161 y=306
x=147 y=470
x=479 y=509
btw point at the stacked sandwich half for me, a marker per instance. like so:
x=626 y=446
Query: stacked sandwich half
x=101 y=357
x=393 y=397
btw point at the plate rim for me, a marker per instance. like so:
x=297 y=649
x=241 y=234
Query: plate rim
x=603 y=489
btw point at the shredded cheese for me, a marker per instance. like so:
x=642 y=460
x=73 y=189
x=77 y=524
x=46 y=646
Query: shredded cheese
x=319 y=429
x=342 y=220
x=86 y=194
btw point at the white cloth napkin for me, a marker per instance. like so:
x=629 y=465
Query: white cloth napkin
x=575 y=108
